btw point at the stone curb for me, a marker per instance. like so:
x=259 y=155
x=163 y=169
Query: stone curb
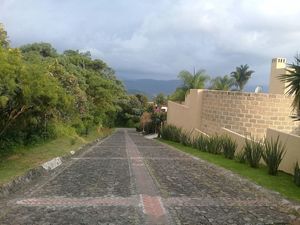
x=44 y=169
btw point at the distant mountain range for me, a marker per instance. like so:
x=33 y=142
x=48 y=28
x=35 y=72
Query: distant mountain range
x=151 y=87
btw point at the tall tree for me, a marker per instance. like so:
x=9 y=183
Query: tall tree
x=293 y=80
x=222 y=83
x=190 y=81
x=241 y=75
x=160 y=99
x=4 y=42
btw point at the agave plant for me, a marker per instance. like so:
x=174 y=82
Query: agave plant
x=185 y=138
x=229 y=147
x=297 y=174
x=215 y=144
x=273 y=154
x=253 y=151
x=240 y=157
x=201 y=143
x=171 y=133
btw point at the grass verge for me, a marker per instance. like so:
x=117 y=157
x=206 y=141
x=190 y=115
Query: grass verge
x=26 y=158
x=282 y=183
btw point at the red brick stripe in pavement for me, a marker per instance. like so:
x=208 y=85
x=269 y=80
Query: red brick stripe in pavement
x=152 y=206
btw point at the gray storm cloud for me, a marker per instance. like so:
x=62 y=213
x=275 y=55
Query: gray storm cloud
x=157 y=39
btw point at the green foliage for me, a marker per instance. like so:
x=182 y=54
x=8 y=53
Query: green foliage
x=4 y=42
x=215 y=144
x=293 y=82
x=160 y=99
x=190 y=81
x=273 y=154
x=43 y=94
x=171 y=133
x=297 y=174
x=229 y=147
x=222 y=83
x=253 y=151
x=201 y=143
x=185 y=138
x=241 y=76
x=240 y=157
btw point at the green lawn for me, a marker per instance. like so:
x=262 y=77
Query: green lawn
x=283 y=183
x=29 y=157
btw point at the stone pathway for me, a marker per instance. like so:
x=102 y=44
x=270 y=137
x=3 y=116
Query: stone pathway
x=127 y=179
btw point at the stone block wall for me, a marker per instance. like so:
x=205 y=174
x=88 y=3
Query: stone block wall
x=243 y=113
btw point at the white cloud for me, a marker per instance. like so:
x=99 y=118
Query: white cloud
x=163 y=37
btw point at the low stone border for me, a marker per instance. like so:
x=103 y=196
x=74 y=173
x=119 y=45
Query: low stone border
x=44 y=169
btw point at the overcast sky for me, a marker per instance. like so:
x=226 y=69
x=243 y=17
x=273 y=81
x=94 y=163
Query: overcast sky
x=158 y=38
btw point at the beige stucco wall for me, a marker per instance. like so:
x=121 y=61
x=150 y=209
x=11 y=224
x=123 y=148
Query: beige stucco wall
x=278 y=67
x=188 y=114
x=292 y=144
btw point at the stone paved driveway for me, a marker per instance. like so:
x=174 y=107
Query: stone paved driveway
x=127 y=179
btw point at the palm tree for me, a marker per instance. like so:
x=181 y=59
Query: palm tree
x=222 y=83
x=293 y=82
x=190 y=81
x=241 y=76
x=193 y=81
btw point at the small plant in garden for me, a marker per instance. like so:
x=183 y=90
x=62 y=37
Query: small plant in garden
x=215 y=144
x=273 y=154
x=240 y=157
x=201 y=142
x=229 y=147
x=297 y=174
x=171 y=133
x=253 y=151
x=185 y=138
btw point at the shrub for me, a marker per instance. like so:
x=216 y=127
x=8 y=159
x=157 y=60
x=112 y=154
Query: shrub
x=73 y=141
x=171 y=133
x=215 y=144
x=273 y=154
x=297 y=174
x=229 y=147
x=185 y=138
x=240 y=157
x=253 y=151
x=201 y=143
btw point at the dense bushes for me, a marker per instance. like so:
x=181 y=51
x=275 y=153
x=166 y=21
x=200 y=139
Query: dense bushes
x=271 y=151
x=171 y=133
x=42 y=91
x=214 y=144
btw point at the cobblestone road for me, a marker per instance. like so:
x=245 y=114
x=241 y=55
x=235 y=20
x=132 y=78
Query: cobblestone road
x=127 y=179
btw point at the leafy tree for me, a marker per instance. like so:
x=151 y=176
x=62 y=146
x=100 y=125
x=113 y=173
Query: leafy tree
x=160 y=100
x=293 y=81
x=42 y=91
x=44 y=49
x=222 y=83
x=4 y=42
x=190 y=81
x=241 y=76
x=143 y=100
